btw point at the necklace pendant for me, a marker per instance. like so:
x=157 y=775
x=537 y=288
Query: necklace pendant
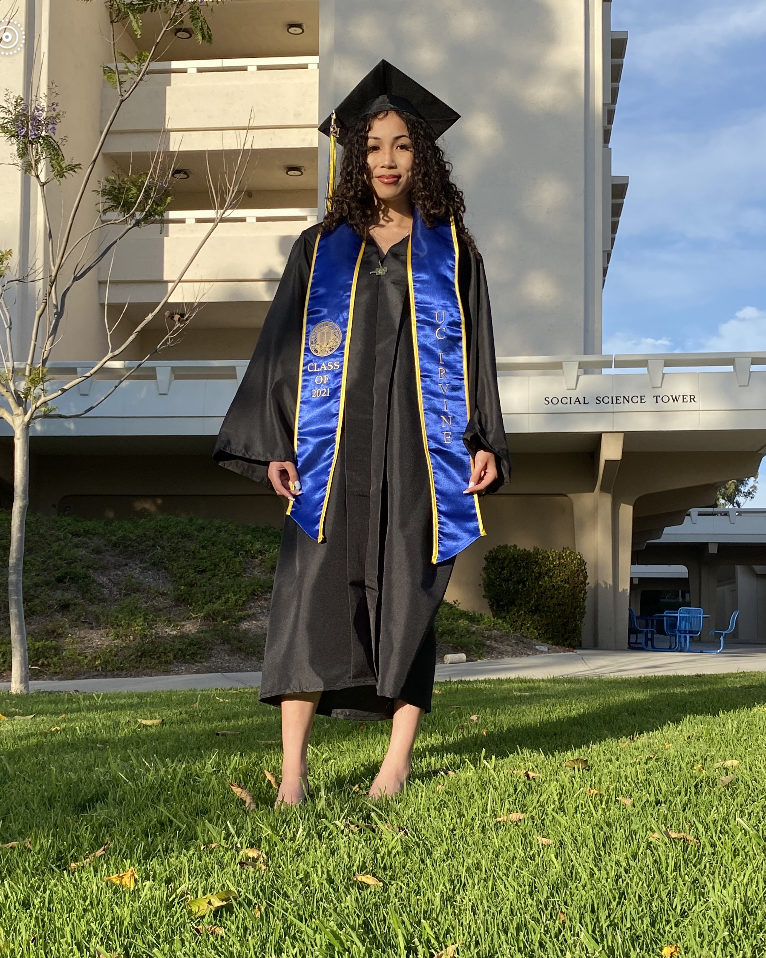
x=380 y=270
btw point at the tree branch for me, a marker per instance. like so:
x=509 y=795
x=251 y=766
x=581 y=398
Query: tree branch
x=64 y=243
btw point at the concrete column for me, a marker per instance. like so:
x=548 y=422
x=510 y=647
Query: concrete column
x=585 y=524
x=708 y=590
x=603 y=534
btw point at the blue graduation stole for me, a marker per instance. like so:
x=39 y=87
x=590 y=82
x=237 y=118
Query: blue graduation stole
x=439 y=343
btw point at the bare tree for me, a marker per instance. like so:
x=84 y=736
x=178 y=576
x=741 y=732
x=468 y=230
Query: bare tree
x=126 y=202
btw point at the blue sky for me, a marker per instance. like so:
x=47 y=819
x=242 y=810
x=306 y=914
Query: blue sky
x=688 y=271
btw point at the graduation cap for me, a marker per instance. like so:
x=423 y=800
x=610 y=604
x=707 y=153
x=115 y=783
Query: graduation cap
x=386 y=88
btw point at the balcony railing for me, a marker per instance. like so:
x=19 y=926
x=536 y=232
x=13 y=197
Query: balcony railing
x=250 y=64
x=242 y=261
x=276 y=99
x=177 y=397
x=655 y=364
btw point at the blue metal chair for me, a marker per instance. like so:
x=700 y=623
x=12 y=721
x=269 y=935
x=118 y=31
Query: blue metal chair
x=721 y=633
x=639 y=635
x=688 y=627
x=670 y=628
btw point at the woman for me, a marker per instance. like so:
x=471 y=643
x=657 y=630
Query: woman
x=372 y=402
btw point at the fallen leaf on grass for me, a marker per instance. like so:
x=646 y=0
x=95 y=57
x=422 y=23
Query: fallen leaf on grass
x=513 y=817
x=124 y=879
x=243 y=793
x=73 y=866
x=582 y=763
x=368 y=880
x=562 y=918
x=544 y=841
x=199 y=907
x=55 y=728
x=348 y=826
x=671 y=951
x=21 y=718
x=474 y=718
x=449 y=952
x=526 y=773
x=625 y=801
x=254 y=853
x=257 y=911
x=681 y=836
x=158 y=721
x=211 y=846
x=220 y=699
x=270 y=778
x=593 y=791
x=699 y=768
x=2 y=716
x=225 y=731
x=100 y=953
x=729 y=763
x=726 y=779
x=254 y=858
x=25 y=844
x=208 y=929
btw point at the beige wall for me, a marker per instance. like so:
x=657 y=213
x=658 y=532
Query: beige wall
x=80 y=83
x=519 y=73
x=526 y=521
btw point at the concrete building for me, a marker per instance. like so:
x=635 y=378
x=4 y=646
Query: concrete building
x=715 y=558
x=608 y=450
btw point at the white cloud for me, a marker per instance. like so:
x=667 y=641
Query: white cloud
x=669 y=48
x=746 y=331
x=622 y=342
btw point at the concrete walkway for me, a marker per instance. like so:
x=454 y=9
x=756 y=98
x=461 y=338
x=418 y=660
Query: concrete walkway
x=581 y=663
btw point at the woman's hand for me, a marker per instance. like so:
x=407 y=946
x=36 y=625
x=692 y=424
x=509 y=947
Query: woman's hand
x=484 y=472
x=283 y=476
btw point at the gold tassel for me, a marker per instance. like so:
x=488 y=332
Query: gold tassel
x=333 y=162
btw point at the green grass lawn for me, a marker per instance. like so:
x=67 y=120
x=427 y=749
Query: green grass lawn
x=608 y=878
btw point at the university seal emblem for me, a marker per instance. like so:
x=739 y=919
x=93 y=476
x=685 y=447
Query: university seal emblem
x=325 y=338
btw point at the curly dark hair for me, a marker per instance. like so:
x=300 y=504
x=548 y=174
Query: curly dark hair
x=433 y=192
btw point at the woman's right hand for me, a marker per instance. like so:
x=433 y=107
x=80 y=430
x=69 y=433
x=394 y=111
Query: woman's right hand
x=283 y=476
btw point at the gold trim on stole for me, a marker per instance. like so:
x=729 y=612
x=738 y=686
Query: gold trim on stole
x=482 y=530
x=300 y=361
x=413 y=320
x=342 y=388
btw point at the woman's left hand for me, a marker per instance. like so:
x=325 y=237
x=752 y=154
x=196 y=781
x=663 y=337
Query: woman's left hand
x=484 y=472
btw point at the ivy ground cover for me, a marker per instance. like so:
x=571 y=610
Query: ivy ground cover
x=596 y=817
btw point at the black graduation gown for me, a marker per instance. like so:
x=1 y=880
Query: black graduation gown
x=353 y=616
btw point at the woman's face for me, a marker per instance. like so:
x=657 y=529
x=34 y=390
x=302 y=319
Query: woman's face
x=390 y=158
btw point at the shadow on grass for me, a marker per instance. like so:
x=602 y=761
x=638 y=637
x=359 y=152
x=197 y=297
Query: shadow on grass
x=87 y=759
x=556 y=715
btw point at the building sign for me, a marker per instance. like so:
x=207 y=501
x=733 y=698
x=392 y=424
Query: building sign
x=599 y=401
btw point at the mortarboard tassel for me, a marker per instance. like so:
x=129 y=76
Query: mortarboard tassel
x=333 y=162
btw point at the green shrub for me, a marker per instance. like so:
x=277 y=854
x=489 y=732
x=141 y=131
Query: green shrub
x=540 y=593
